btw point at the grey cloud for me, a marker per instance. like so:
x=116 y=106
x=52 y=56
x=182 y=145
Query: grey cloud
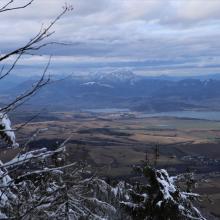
x=146 y=36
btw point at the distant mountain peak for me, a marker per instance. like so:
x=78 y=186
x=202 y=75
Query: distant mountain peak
x=89 y=83
x=123 y=75
x=96 y=84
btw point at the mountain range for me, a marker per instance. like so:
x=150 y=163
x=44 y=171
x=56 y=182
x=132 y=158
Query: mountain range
x=121 y=89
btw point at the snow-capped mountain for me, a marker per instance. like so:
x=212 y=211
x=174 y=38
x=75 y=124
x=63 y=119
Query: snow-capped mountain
x=117 y=76
x=123 y=89
x=96 y=84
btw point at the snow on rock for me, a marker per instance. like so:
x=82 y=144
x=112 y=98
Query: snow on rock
x=6 y=132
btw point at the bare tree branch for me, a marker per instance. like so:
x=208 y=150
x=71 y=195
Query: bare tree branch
x=2 y=75
x=32 y=44
x=42 y=82
x=7 y=7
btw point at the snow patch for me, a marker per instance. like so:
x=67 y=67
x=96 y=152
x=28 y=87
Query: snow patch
x=97 y=84
x=6 y=131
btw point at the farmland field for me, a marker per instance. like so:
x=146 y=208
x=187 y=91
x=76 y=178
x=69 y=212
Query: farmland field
x=112 y=143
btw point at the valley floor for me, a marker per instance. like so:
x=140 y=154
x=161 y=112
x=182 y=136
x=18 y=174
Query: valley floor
x=112 y=143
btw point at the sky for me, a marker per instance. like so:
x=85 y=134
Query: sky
x=148 y=37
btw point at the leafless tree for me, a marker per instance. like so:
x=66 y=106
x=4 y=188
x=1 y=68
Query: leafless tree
x=35 y=43
x=6 y=132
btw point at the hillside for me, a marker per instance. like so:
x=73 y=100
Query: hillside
x=123 y=90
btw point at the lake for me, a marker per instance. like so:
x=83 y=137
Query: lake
x=205 y=115
x=208 y=115
x=107 y=110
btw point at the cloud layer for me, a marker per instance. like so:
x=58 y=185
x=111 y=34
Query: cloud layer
x=149 y=37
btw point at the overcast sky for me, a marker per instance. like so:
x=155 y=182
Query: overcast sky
x=149 y=37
